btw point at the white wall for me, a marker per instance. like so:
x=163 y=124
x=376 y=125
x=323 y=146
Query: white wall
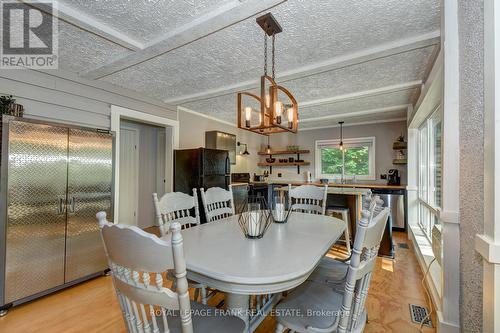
x=192 y=135
x=385 y=134
x=63 y=97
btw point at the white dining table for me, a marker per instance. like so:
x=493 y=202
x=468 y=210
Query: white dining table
x=219 y=256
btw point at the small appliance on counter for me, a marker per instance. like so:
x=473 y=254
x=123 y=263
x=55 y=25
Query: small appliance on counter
x=393 y=177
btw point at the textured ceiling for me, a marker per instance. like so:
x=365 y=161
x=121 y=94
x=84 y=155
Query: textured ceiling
x=80 y=51
x=144 y=20
x=313 y=32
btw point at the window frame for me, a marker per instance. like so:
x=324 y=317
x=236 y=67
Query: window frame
x=425 y=202
x=347 y=142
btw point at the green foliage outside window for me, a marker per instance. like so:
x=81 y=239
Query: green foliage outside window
x=356 y=161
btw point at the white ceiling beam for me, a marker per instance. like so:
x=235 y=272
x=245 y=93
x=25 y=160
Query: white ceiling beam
x=346 y=60
x=369 y=122
x=216 y=20
x=402 y=107
x=90 y=24
x=362 y=94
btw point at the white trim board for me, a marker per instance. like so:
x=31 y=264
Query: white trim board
x=363 y=94
x=90 y=24
x=118 y=113
x=345 y=115
x=393 y=120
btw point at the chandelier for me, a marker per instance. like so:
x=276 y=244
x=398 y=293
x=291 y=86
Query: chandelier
x=275 y=110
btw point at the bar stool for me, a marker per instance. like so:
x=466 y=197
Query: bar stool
x=343 y=214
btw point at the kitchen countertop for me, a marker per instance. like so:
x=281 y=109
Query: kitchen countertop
x=357 y=185
x=338 y=190
x=238 y=184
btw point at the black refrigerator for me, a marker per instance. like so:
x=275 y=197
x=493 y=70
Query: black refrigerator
x=201 y=167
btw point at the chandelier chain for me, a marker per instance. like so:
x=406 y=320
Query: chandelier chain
x=274 y=63
x=265 y=54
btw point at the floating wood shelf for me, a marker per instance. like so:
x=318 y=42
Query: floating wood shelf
x=264 y=164
x=284 y=152
x=399 y=145
x=399 y=161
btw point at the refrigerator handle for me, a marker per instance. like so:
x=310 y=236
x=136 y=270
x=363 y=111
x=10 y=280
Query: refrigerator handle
x=71 y=204
x=60 y=206
x=228 y=162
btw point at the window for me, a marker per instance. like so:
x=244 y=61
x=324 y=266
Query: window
x=357 y=160
x=429 y=161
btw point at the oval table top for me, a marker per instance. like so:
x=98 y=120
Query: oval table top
x=219 y=255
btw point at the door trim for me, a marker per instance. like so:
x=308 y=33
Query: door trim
x=171 y=127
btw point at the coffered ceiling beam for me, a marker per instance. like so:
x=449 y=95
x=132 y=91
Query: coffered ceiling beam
x=369 y=122
x=345 y=115
x=363 y=94
x=216 y=20
x=346 y=60
x=90 y=24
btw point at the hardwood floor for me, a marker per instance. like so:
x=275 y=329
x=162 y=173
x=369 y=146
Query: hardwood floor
x=92 y=306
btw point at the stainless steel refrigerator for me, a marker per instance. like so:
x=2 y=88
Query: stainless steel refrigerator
x=201 y=167
x=54 y=179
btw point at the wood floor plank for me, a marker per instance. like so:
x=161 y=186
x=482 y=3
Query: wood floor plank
x=92 y=306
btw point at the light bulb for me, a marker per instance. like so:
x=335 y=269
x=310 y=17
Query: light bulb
x=290 y=114
x=278 y=106
x=268 y=100
x=260 y=118
x=248 y=116
x=248 y=113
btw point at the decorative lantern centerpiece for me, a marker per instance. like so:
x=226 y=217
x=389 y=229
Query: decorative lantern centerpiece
x=254 y=217
x=281 y=208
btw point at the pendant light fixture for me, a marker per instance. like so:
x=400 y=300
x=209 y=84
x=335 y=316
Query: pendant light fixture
x=275 y=109
x=341 y=145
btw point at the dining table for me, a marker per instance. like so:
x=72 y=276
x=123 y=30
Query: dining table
x=220 y=256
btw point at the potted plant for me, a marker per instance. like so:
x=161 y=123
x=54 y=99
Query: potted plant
x=8 y=106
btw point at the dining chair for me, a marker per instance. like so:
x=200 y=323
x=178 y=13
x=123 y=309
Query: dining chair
x=317 y=307
x=138 y=261
x=176 y=206
x=308 y=198
x=218 y=203
x=334 y=271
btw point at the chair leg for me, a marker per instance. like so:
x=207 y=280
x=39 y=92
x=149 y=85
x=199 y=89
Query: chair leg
x=196 y=294
x=279 y=328
x=204 y=295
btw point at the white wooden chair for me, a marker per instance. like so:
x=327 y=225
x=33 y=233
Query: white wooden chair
x=138 y=261
x=218 y=203
x=345 y=311
x=334 y=271
x=308 y=198
x=176 y=206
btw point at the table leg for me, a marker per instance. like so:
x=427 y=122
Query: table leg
x=239 y=306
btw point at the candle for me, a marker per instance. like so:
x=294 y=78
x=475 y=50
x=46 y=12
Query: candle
x=254 y=223
x=279 y=211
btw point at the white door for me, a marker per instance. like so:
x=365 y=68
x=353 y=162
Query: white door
x=129 y=175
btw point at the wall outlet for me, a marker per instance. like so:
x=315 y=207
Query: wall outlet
x=383 y=176
x=279 y=175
